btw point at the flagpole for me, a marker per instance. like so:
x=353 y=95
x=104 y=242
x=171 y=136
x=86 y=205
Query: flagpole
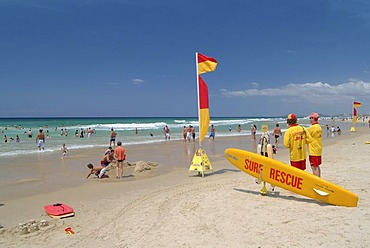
x=196 y=73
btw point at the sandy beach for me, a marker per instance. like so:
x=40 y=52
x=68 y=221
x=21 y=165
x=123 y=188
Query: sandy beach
x=164 y=207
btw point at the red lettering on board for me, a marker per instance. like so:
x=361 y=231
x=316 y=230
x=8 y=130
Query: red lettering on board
x=286 y=178
x=252 y=165
x=283 y=176
x=277 y=175
x=272 y=173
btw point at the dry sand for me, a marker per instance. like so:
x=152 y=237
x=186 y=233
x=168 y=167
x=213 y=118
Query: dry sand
x=224 y=209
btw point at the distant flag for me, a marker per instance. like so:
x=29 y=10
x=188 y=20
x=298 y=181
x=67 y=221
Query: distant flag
x=206 y=64
x=354 y=116
x=356 y=104
x=204 y=117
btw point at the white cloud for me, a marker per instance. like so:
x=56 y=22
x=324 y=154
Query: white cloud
x=137 y=81
x=290 y=51
x=310 y=92
x=355 y=8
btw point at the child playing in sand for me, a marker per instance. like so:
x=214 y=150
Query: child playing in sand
x=98 y=170
x=64 y=150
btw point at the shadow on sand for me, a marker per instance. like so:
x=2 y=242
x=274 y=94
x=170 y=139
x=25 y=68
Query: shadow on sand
x=276 y=194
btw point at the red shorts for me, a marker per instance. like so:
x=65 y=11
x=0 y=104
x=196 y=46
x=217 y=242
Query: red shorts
x=299 y=164
x=315 y=160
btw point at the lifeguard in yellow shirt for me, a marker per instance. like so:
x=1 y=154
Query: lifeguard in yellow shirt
x=315 y=147
x=295 y=138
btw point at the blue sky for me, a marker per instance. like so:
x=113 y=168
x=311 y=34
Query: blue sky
x=137 y=57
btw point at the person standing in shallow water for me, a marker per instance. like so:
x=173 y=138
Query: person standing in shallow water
x=40 y=140
x=113 y=135
x=29 y=133
x=167 y=135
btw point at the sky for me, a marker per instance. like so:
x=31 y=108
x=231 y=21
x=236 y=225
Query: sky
x=136 y=58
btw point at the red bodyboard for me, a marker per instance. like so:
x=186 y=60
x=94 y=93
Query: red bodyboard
x=58 y=209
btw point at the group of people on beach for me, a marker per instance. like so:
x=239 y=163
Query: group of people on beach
x=297 y=137
x=17 y=139
x=117 y=155
x=188 y=133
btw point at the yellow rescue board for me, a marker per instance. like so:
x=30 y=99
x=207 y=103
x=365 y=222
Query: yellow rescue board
x=287 y=177
x=367 y=142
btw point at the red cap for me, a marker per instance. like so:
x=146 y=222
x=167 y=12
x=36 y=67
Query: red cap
x=292 y=116
x=314 y=115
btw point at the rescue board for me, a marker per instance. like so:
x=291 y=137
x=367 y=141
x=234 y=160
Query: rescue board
x=287 y=177
x=367 y=142
x=59 y=210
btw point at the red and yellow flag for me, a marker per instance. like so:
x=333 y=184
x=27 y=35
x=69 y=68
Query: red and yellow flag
x=204 y=117
x=206 y=64
x=356 y=104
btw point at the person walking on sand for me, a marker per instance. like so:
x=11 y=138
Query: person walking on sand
x=253 y=131
x=120 y=154
x=112 y=139
x=315 y=147
x=192 y=131
x=40 y=140
x=277 y=133
x=213 y=132
x=64 y=150
x=184 y=133
x=295 y=138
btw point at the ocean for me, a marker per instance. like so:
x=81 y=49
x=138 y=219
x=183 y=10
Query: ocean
x=124 y=127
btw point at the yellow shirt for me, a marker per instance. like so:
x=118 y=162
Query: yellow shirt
x=315 y=147
x=295 y=138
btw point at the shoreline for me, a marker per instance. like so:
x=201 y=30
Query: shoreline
x=139 y=202
x=47 y=172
